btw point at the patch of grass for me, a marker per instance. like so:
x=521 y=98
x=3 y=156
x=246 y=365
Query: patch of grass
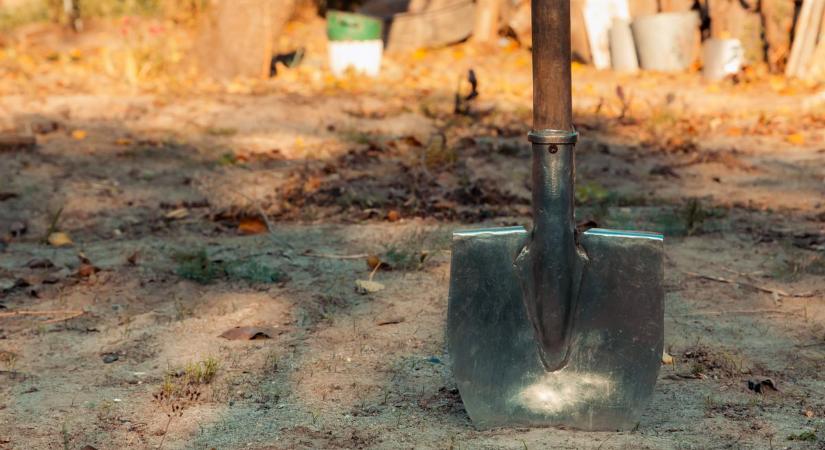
x=197 y=266
x=28 y=12
x=254 y=272
x=591 y=193
x=412 y=250
x=808 y=436
x=200 y=372
x=221 y=131
x=795 y=263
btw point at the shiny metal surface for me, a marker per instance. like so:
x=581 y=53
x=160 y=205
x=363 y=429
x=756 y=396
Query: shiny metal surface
x=616 y=343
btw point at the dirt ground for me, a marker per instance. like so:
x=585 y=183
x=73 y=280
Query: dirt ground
x=194 y=207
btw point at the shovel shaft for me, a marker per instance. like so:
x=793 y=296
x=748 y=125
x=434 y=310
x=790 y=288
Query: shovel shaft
x=552 y=102
x=552 y=274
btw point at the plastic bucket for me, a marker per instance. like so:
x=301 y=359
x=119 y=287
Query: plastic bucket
x=665 y=42
x=622 y=48
x=721 y=57
x=354 y=43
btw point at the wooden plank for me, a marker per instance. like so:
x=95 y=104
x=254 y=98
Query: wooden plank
x=808 y=44
x=451 y=22
x=803 y=24
x=816 y=70
x=485 y=28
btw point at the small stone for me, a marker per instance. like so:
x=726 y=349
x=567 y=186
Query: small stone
x=109 y=358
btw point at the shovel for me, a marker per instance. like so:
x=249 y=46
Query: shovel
x=552 y=327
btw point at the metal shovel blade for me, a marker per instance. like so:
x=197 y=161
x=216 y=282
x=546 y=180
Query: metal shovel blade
x=615 y=345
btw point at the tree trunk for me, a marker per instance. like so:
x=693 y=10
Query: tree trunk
x=236 y=37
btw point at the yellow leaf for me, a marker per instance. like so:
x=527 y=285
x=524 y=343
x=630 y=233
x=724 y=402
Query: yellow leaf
x=176 y=214
x=795 y=139
x=79 y=134
x=368 y=286
x=59 y=239
x=419 y=54
x=714 y=89
x=252 y=226
x=123 y=141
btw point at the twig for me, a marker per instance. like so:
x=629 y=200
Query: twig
x=741 y=311
x=377 y=266
x=71 y=313
x=165 y=431
x=331 y=256
x=751 y=285
x=69 y=317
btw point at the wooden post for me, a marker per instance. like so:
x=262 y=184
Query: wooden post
x=485 y=28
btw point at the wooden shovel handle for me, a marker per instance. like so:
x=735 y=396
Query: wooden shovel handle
x=552 y=98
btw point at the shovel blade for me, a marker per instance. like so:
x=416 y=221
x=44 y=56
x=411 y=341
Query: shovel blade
x=616 y=346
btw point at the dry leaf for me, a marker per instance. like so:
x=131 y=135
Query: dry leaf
x=666 y=358
x=86 y=270
x=246 y=333
x=60 y=239
x=795 y=139
x=373 y=261
x=252 y=226
x=123 y=141
x=393 y=215
x=177 y=214
x=392 y=321
x=79 y=135
x=367 y=286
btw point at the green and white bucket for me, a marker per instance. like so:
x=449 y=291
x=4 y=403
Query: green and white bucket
x=354 y=43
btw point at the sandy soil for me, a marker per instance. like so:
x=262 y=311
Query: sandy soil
x=153 y=186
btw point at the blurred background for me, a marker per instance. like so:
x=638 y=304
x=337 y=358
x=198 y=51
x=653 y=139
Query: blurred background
x=171 y=170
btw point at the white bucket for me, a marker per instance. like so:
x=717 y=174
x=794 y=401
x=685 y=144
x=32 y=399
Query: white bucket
x=622 y=48
x=665 y=42
x=362 y=56
x=722 y=57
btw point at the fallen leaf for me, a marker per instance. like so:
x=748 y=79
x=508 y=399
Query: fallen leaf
x=79 y=135
x=367 y=286
x=393 y=215
x=86 y=270
x=666 y=358
x=40 y=263
x=808 y=413
x=246 y=333
x=60 y=239
x=761 y=386
x=123 y=141
x=795 y=139
x=133 y=258
x=373 y=261
x=390 y=321
x=177 y=214
x=252 y=225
